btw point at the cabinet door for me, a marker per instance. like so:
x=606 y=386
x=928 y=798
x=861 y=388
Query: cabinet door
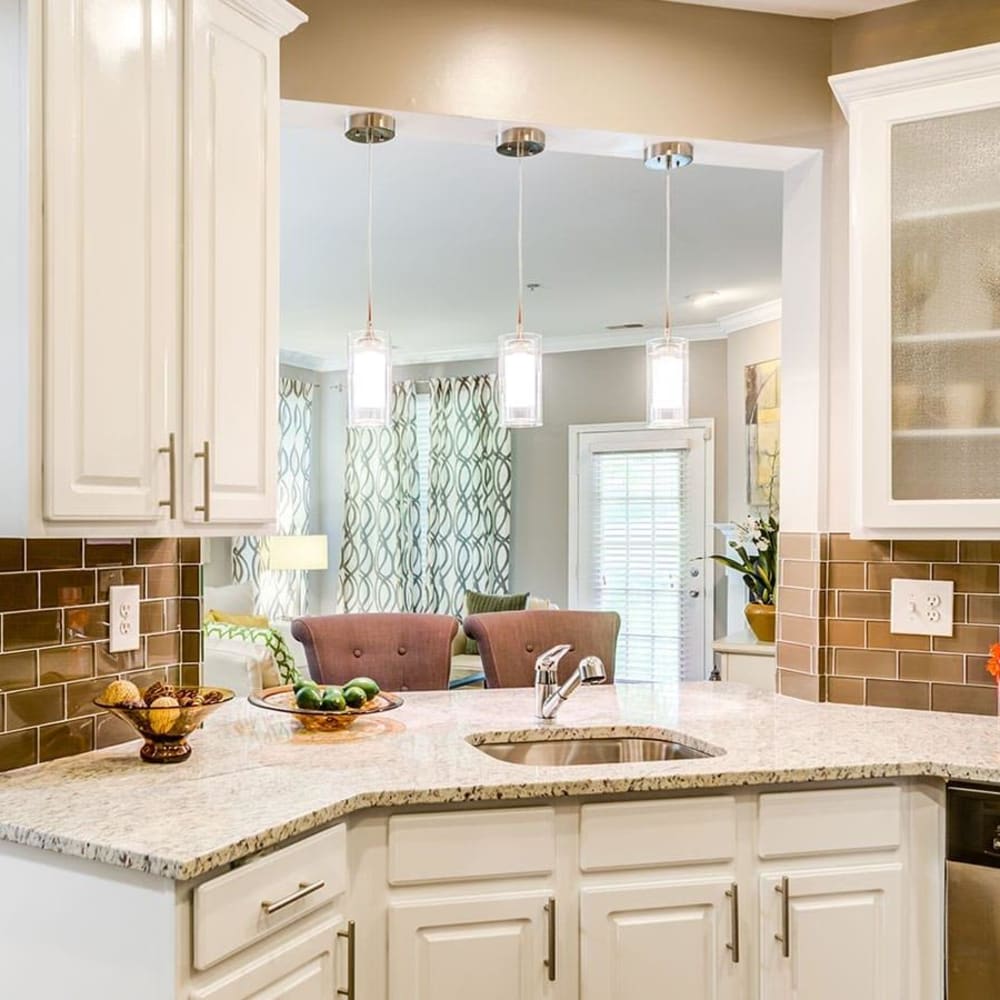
x=844 y=935
x=231 y=329
x=305 y=968
x=926 y=304
x=639 y=940
x=487 y=947
x=110 y=270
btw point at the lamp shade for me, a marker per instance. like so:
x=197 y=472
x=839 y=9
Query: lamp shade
x=666 y=382
x=297 y=552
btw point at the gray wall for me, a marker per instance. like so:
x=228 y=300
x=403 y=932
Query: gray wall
x=585 y=387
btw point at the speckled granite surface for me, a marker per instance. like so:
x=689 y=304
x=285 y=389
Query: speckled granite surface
x=254 y=780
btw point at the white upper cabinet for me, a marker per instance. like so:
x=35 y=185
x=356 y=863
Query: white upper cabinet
x=231 y=333
x=112 y=181
x=155 y=186
x=925 y=292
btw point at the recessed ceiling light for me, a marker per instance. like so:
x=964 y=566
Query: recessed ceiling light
x=702 y=298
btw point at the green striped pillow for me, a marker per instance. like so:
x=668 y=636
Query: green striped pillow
x=481 y=604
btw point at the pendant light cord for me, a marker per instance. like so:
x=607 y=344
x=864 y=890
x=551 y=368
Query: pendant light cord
x=370 y=334
x=520 y=248
x=666 y=268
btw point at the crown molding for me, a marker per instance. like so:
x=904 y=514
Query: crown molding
x=947 y=67
x=278 y=16
x=766 y=312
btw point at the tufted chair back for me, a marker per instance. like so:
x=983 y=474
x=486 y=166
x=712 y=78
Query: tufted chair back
x=402 y=652
x=511 y=641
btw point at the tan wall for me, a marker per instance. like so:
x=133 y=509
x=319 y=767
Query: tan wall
x=913 y=30
x=623 y=65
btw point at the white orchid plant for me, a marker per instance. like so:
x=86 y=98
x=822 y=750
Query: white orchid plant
x=756 y=545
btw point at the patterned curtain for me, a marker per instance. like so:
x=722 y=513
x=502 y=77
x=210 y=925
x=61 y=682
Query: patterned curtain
x=276 y=594
x=468 y=543
x=380 y=565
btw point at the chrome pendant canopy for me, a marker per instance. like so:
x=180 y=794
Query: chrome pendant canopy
x=370 y=127
x=668 y=155
x=522 y=140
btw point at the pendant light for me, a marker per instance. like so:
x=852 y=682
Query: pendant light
x=520 y=354
x=369 y=362
x=667 y=355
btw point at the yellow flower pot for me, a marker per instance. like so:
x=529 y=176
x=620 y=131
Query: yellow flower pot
x=761 y=619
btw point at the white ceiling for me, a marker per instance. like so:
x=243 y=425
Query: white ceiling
x=803 y=8
x=445 y=241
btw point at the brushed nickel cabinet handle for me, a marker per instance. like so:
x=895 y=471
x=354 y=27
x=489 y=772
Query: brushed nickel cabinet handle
x=304 y=889
x=733 y=893
x=784 y=937
x=550 y=961
x=171 y=501
x=206 y=491
x=351 y=964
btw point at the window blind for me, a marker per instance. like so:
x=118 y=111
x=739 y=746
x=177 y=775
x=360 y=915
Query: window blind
x=639 y=517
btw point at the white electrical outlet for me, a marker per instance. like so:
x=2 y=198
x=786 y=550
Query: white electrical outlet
x=922 y=607
x=123 y=624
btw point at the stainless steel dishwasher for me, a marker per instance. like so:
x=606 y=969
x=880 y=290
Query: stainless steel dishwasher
x=973 y=886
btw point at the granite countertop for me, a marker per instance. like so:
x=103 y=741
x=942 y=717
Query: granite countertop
x=254 y=780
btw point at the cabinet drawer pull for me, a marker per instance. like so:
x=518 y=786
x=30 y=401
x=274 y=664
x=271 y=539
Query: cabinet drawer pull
x=351 y=965
x=733 y=893
x=550 y=961
x=171 y=501
x=304 y=889
x=783 y=937
x=206 y=482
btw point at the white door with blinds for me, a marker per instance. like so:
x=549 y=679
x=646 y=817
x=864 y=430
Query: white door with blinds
x=639 y=512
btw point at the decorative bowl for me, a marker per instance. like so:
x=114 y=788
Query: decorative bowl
x=282 y=699
x=166 y=729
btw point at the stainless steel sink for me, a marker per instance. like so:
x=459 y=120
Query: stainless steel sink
x=590 y=750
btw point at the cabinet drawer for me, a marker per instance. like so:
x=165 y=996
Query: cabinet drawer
x=230 y=912
x=647 y=834
x=450 y=847
x=836 y=819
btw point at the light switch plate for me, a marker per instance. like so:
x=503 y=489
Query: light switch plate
x=123 y=620
x=922 y=607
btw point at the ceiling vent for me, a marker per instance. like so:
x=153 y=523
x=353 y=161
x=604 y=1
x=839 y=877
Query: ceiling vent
x=625 y=326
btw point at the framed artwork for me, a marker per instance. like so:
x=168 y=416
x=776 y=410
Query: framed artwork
x=762 y=382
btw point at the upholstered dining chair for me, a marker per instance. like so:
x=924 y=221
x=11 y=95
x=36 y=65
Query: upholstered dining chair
x=511 y=641
x=402 y=652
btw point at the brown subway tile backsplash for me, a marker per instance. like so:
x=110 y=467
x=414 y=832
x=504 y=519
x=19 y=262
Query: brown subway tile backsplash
x=858 y=660
x=53 y=624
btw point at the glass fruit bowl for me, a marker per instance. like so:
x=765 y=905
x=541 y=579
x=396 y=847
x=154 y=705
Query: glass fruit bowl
x=282 y=699
x=166 y=729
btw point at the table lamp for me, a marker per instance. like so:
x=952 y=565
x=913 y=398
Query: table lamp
x=298 y=554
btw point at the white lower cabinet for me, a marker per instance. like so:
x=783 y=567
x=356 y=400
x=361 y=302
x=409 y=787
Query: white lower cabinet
x=491 y=947
x=304 y=968
x=840 y=934
x=682 y=933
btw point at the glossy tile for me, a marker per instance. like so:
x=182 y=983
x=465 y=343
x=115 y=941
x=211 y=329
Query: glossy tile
x=54 y=553
x=157 y=550
x=65 y=739
x=151 y=617
x=962 y=698
x=63 y=588
x=18 y=670
x=945 y=667
x=106 y=662
x=18 y=749
x=11 y=554
x=35 y=706
x=116 y=577
x=81 y=694
x=30 y=629
x=898 y=694
x=65 y=663
x=18 y=591
x=162 y=581
x=109 y=552
x=86 y=624
x=163 y=649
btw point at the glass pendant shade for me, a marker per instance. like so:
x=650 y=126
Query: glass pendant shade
x=369 y=379
x=667 y=382
x=520 y=371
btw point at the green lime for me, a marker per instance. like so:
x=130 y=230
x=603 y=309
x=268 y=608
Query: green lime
x=309 y=697
x=303 y=682
x=333 y=700
x=366 y=684
x=354 y=696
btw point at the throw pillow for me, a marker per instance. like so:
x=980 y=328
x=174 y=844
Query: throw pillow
x=247 y=621
x=481 y=604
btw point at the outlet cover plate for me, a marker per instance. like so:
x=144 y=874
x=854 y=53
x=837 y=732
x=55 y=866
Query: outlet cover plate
x=123 y=619
x=922 y=607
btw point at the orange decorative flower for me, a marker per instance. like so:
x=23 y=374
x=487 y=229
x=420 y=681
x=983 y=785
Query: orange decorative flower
x=993 y=663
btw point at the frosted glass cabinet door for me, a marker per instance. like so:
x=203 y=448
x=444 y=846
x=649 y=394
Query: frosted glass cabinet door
x=925 y=291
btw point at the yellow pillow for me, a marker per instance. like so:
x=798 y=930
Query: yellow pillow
x=247 y=621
